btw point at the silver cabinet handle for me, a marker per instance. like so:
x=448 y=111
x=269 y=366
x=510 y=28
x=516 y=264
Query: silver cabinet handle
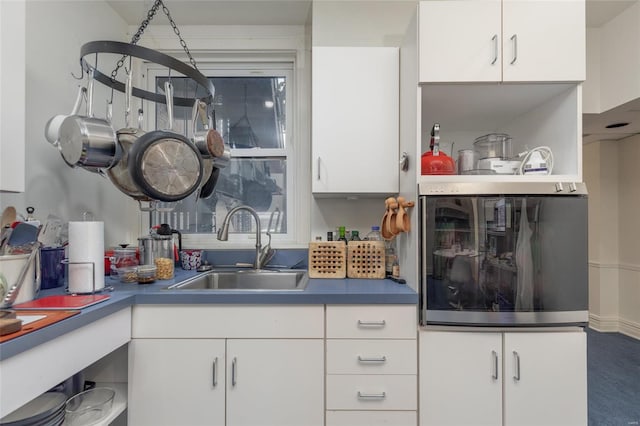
x=318 y=176
x=495 y=48
x=380 y=324
x=517 y=365
x=494 y=354
x=382 y=395
x=215 y=372
x=381 y=359
x=514 y=39
x=234 y=368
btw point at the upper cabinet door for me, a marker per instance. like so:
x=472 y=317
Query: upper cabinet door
x=544 y=40
x=459 y=41
x=510 y=40
x=12 y=101
x=355 y=120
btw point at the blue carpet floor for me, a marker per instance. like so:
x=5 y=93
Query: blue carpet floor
x=613 y=379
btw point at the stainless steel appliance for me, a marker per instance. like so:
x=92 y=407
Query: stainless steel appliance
x=503 y=254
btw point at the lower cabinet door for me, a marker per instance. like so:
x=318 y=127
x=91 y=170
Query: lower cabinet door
x=275 y=382
x=176 y=382
x=460 y=378
x=545 y=379
x=371 y=418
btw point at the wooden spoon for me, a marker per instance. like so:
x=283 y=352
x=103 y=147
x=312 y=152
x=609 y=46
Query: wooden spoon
x=384 y=230
x=392 y=224
x=8 y=216
x=403 y=222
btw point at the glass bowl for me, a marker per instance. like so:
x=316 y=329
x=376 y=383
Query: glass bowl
x=89 y=406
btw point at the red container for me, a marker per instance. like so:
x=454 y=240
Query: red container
x=440 y=164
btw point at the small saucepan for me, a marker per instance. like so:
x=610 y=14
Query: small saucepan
x=87 y=141
x=209 y=141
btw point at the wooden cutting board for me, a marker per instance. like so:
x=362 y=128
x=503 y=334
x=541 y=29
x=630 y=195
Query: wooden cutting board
x=44 y=319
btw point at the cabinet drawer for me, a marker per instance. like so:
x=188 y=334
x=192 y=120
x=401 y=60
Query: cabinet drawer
x=379 y=356
x=372 y=322
x=372 y=418
x=228 y=321
x=372 y=392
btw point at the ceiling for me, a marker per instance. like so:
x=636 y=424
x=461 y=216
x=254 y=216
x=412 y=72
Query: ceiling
x=287 y=12
x=298 y=12
x=218 y=12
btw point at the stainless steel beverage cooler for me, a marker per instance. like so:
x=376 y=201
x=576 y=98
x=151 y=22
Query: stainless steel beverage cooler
x=503 y=254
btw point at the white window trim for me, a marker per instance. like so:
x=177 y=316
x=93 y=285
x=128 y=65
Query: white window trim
x=288 y=44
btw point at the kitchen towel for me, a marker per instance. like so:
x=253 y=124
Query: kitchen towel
x=86 y=251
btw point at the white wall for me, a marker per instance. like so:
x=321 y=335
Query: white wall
x=611 y=173
x=620 y=59
x=55 y=32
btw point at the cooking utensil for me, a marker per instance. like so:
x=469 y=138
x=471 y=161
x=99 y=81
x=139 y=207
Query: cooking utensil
x=32 y=262
x=127 y=137
x=392 y=217
x=403 y=222
x=23 y=234
x=434 y=161
x=384 y=228
x=87 y=141
x=165 y=165
x=52 y=128
x=9 y=216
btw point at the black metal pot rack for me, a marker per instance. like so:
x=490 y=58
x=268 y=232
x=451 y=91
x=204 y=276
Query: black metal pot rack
x=127 y=49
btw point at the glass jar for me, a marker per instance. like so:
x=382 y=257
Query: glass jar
x=123 y=257
x=163 y=256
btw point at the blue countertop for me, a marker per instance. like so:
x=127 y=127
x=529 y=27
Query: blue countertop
x=318 y=291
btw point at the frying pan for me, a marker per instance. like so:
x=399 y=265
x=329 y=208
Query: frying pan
x=163 y=164
x=127 y=136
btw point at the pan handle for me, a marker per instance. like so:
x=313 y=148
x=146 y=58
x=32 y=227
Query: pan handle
x=127 y=99
x=90 y=94
x=168 y=91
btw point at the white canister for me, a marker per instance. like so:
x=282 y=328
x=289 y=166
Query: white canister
x=10 y=267
x=86 y=255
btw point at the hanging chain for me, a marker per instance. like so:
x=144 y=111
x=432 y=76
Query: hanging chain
x=143 y=26
x=177 y=32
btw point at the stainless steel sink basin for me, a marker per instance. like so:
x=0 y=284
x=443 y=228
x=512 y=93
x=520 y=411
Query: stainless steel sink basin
x=246 y=280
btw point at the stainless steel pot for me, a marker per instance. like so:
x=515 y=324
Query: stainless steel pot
x=87 y=141
x=127 y=137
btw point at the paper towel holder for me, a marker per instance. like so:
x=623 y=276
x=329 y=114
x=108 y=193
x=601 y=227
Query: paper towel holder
x=93 y=275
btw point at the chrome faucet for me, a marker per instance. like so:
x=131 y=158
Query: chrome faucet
x=263 y=255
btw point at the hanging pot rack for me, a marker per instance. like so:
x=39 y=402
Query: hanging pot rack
x=128 y=49
x=132 y=50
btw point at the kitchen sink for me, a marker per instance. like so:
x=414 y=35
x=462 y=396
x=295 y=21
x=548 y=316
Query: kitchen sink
x=246 y=280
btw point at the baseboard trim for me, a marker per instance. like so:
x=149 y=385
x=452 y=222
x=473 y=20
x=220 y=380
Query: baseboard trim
x=602 y=323
x=630 y=328
x=614 y=324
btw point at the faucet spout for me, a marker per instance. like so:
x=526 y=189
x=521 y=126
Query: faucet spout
x=223 y=234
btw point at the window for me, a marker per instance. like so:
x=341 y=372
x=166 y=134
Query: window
x=253 y=110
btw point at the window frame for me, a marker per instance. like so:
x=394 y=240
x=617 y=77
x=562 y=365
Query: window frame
x=265 y=64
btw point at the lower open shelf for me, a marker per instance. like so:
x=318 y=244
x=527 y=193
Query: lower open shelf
x=119 y=403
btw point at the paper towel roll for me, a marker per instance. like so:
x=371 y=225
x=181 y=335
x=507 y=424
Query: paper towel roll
x=86 y=244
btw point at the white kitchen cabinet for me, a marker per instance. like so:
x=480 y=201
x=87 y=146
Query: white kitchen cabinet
x=12 y=95
x=199 y=382
x=280 y=380
x=173 y=382
x=502 y=40
x=355 y=121
x=371 y=365
x=511 y=379
x=240 y=373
